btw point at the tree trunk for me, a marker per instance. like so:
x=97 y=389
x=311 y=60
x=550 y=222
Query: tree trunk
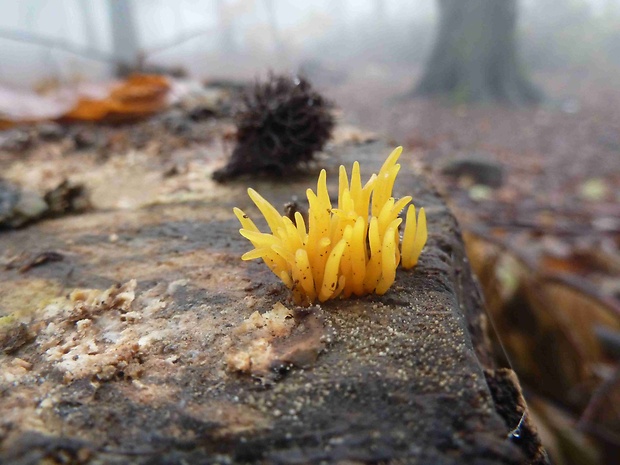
x=125 y=47
x=88 y=25
x=225 y=30
x=475 y=54
x=275 y=29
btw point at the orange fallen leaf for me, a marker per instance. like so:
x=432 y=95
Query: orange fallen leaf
x=139 y=95
x=88 y=109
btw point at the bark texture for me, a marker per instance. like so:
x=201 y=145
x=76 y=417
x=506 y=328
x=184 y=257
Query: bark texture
x=475 y=54
x=150 y=342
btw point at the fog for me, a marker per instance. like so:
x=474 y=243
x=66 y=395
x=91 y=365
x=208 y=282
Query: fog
x=522 y=142
x=68 y=40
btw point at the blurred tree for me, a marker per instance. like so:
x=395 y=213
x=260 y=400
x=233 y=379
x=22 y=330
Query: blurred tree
x=275 y=30
x=125 y=44
x=88 y=25
x=475 y=54
x=226 y=29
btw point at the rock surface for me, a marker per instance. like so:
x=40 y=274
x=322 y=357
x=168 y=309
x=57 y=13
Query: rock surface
x=143 y=345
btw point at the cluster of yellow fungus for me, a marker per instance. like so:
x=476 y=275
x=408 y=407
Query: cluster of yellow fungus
x=352 y=249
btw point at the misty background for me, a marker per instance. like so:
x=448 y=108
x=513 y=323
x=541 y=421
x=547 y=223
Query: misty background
x=65 y=41
x=555 y=192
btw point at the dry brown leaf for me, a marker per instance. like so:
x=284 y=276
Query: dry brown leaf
x=546 y=324
x=138 y=95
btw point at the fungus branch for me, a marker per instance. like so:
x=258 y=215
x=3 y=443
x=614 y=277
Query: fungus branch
x=352 y=249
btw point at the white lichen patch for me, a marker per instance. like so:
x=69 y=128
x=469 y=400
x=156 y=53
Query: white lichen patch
x=256 y=335
x=91 y=333
x=265 y=343
x=277 y=322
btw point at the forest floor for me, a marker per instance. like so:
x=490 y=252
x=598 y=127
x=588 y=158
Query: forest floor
x=537 y=193
x=547 y=151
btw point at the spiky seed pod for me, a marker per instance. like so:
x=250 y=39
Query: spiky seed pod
x=283 y=122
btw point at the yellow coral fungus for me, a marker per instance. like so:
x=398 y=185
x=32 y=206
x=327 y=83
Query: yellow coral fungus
x=352 y=249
